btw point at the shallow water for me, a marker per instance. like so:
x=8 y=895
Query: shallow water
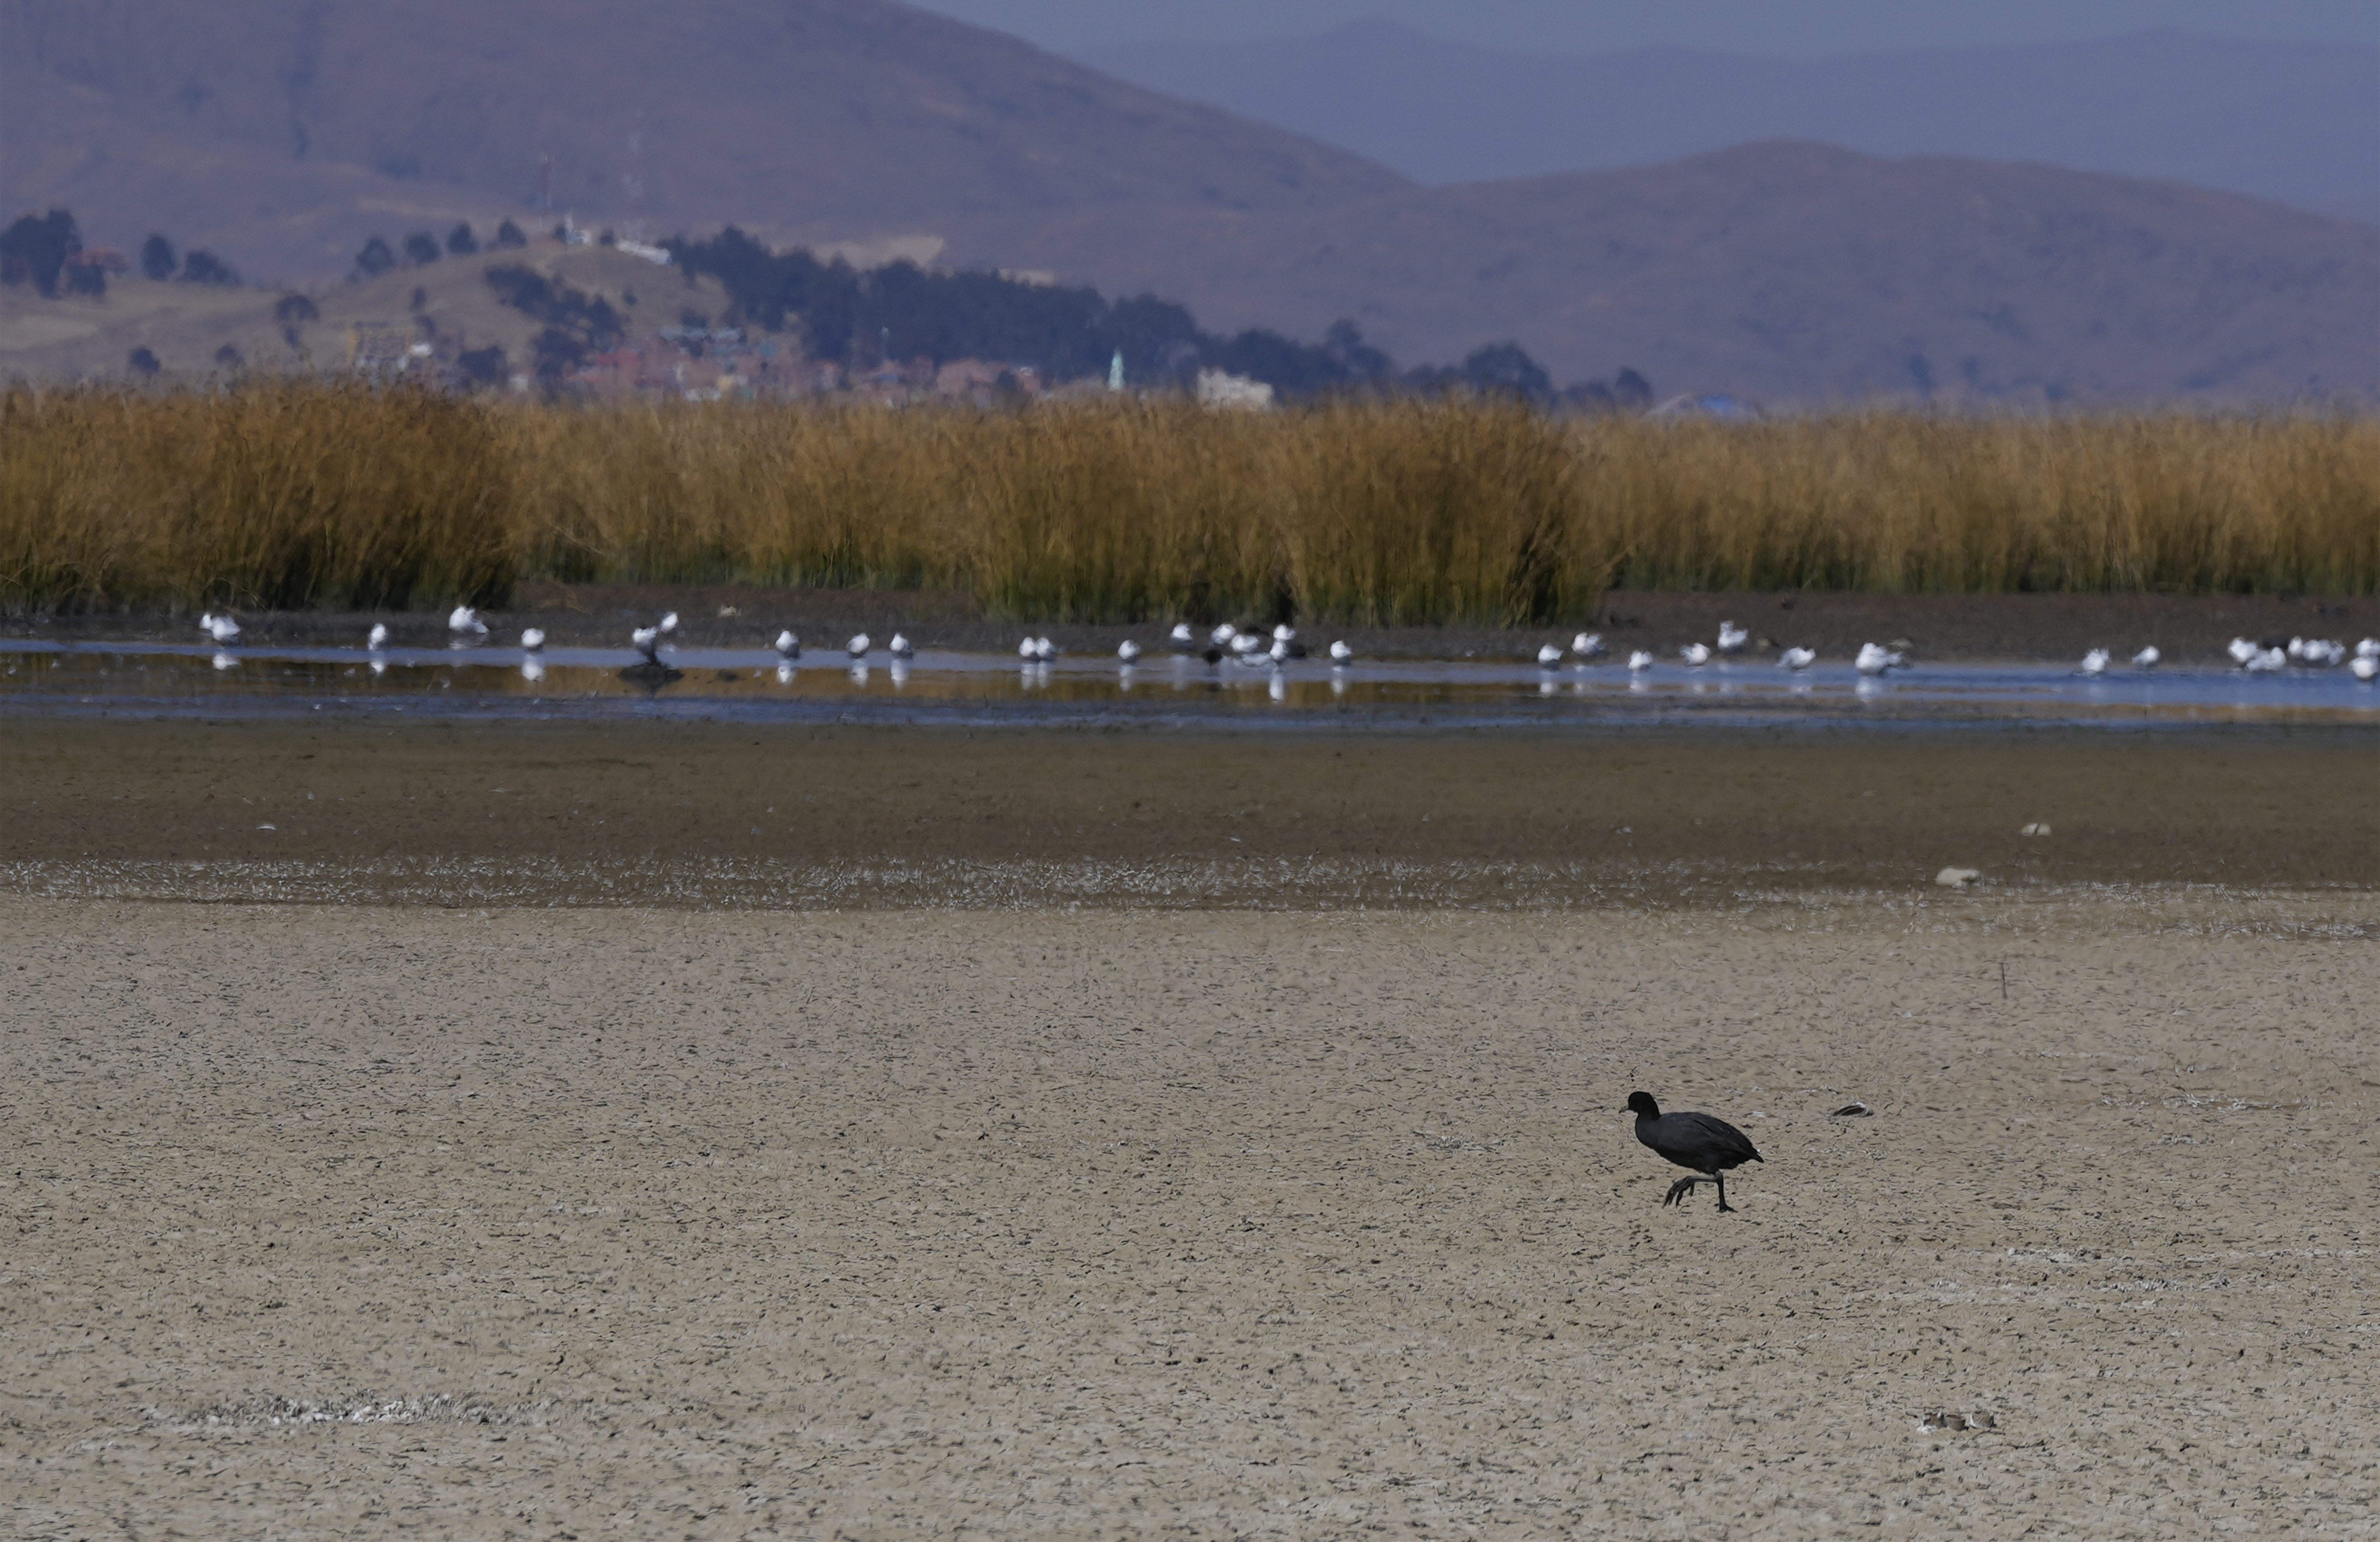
x=166 y=680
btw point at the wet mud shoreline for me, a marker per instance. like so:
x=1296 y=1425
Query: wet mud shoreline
x=639 y=812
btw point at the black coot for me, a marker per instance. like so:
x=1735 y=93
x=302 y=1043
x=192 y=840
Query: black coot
x=1695 y=1141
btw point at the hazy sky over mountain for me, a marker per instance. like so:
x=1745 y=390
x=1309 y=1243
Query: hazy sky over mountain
x=1780 y=26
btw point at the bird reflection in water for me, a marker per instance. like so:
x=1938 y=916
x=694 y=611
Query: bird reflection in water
x=648 y=674
x=651 y=676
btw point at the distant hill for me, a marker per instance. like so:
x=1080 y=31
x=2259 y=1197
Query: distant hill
x=2296 y=122
x=186 y=327
x=281 y=133
x=1791 y=271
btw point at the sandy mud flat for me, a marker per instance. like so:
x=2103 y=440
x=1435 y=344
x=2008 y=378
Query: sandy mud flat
x=383 y=1219
x=680 y=1131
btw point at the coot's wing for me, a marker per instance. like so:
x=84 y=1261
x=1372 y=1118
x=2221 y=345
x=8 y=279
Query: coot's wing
x=1719 y=1143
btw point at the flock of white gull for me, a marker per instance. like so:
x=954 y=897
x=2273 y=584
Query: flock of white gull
x=1259 y=649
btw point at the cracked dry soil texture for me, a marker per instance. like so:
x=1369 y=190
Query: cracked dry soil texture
x=378 y=1222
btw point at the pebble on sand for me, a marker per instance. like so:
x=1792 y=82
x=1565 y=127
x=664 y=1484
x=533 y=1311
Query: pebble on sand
x=2034 y=829
x=1957 y=878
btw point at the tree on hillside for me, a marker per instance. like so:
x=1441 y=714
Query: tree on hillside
x=1506 y=369
x=558 y=353
x=420 y=249
x=1067 y=333
x=460 y=242
x=577 y=323
x=1632 y=391
x=1590 y=397
x=915 y=312
x=201 y=266
x=375 y=259
x=981 y=315
x=831 y=319
x=483 y=366
x=34 y=249
x=143 y=362
x=1292 y=368
x=765 y=286
x=1345 y=342
x=158 y=260
x=293 y=311
x=509 y=236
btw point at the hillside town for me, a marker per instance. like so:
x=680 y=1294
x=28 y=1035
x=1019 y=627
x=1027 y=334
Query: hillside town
x=564 y=313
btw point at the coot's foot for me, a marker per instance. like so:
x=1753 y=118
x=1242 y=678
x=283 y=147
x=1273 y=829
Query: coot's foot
x=1678 y=1190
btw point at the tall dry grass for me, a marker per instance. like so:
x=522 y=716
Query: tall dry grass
x=1892 y=502
x=294 y=494
x=277 y=495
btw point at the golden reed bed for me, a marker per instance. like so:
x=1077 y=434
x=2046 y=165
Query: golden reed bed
x=292 y=495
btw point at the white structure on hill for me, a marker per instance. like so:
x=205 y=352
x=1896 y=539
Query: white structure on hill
x=1217 y=388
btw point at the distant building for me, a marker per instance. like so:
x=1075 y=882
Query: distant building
x=1221 y=388
x=983 y=382
x=708 y=363
x=964 y=377
x=378 y=350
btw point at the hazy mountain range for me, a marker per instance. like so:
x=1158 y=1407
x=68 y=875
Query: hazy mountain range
x=281 y=133
x=1786 y=270
x=2298 y=122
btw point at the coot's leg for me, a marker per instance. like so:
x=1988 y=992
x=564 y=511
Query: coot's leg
x=1720 y=1179
x=1678 y=1190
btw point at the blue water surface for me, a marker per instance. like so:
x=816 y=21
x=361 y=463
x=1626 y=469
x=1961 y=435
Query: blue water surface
x=152 y=679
